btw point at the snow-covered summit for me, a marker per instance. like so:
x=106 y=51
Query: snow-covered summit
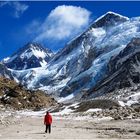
x=30 y=56
x=109 y=19
x=35 y=46
x=112 y=14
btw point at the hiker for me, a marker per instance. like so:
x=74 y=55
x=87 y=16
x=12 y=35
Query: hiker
x=48 y=121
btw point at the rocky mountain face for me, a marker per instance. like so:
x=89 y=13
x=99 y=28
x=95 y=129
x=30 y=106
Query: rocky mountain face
x=122 y=70
x=32 y=55
x=16 y=96
x=108 y=20
x=102 y=59
x=5 y=72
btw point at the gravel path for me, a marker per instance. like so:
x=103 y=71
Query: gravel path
x=33 y=128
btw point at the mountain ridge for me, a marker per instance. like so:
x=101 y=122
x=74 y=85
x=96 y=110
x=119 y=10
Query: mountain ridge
x=30 y=56
x=85 y=61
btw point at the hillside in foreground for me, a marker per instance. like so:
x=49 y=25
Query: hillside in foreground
x=16 y=96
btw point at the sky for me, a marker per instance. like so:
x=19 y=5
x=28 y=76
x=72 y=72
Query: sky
x=52 y=23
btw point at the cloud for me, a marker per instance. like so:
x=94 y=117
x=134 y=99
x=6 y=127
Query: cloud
x=3 y=3
x=32 y=27
x=63 y=22
x=19 y=8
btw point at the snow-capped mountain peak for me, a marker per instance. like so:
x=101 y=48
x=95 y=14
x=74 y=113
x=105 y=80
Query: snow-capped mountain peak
x=111 y=14
x=36 y=50
x=110 y=19
x=30 y=56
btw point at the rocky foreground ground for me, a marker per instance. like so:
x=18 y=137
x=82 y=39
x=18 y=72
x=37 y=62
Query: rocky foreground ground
x=16 y=125
x=109 y=120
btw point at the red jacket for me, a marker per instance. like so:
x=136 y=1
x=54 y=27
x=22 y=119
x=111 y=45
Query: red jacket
x=48 y=119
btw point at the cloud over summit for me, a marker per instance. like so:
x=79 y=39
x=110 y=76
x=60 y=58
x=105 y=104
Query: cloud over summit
x=64 y=21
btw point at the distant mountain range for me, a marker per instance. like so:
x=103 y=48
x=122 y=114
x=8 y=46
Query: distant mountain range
x=103 y=59
x=32 y=55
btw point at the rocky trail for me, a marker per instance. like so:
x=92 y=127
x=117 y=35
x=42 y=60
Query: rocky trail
x=31 y=127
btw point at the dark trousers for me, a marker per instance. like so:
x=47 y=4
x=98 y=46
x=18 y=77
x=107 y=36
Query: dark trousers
x=48 y=126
